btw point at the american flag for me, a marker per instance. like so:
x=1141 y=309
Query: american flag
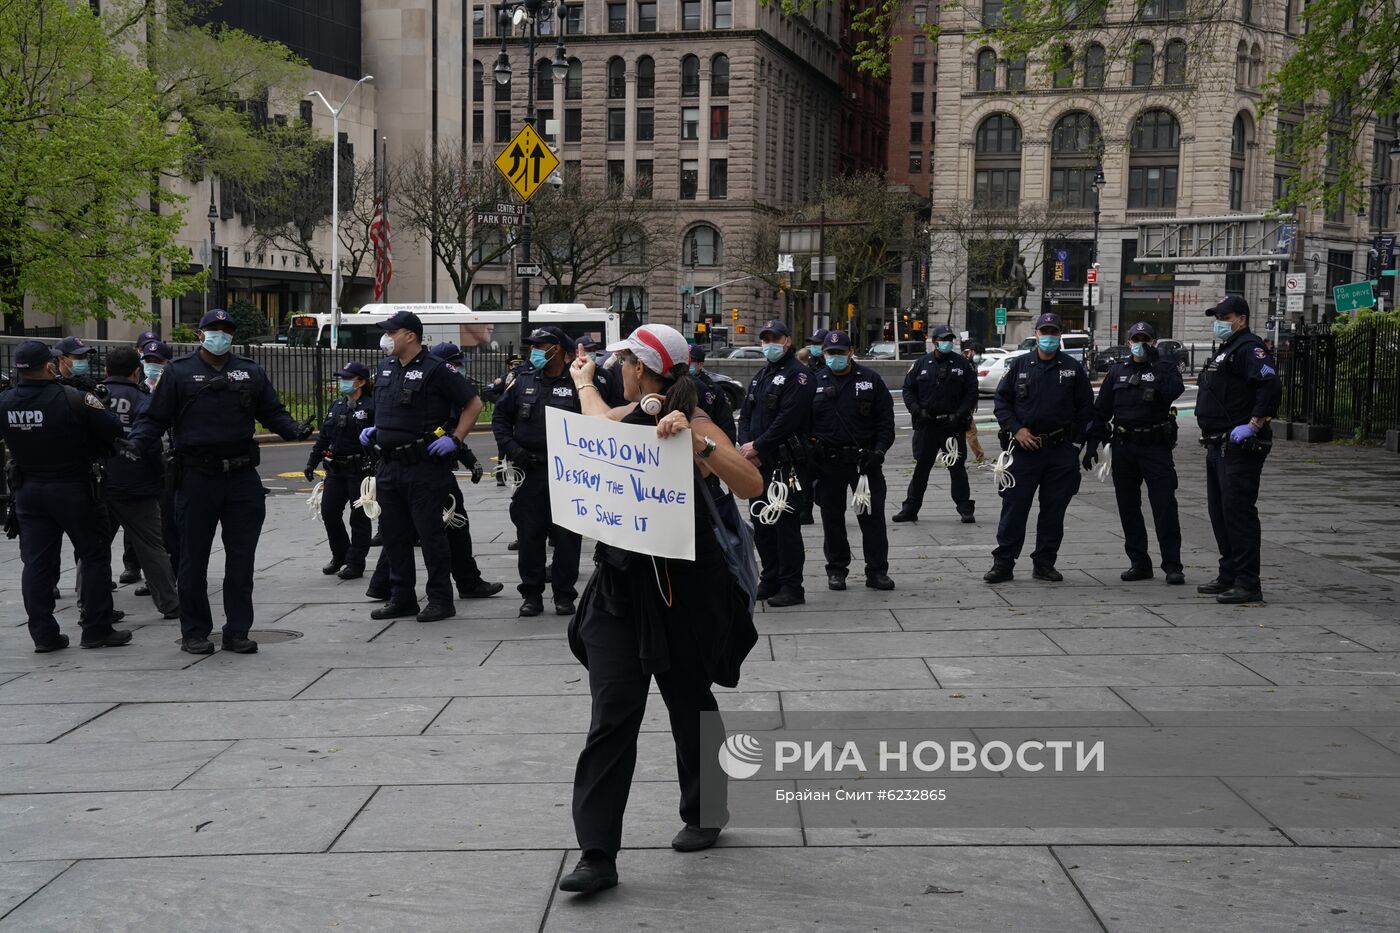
x=383 y=256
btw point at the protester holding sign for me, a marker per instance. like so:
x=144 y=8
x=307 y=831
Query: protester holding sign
x=687 y=623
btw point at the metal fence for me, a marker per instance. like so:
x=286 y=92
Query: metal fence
x=304 y=377
x=1346 y=379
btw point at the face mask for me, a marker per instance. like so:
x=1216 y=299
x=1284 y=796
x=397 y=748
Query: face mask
x=1139 y=350
x=538 y=358
x=152 y=371
x=1222 y=329
x=814 y=349
x=217 y=342
x=1048 y=343
x=772 y=352
x=838 y=362
x=386 y=344
x=692 y=369
x=81 y=368
x=346 y=386
x=945 y=346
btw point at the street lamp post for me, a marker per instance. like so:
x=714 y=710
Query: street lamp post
x=509 y=15
x=1099 y=183
x=335 y=204
x=213 y=290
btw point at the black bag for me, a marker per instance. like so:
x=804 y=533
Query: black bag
x=731 y=644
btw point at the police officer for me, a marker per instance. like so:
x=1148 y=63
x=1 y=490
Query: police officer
x=940 y=391
x=414 y=392
x=713 y=400
x=774 y=425
x=852 y=428
x=52 y=434
x=1134 y=413
x=519 y=425
x=132 y=490
x=1044 y=405
x=806 y=472
x=210 y=400
x=75 y=365
x=815 y=348
x=492 y=393
x=155 y=356
x=346 y=464
x=1239 y=395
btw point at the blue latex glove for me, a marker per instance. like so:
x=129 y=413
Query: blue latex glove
x=1243 y=433
x=366 y=436
x=445 y=446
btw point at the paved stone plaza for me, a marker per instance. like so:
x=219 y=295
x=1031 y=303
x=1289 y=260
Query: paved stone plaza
x=409 y=777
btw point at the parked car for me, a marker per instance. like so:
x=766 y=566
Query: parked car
x=886 y=350
x=990 y=371
x=1105 y=358
x=1174 y=351
x=743 y=353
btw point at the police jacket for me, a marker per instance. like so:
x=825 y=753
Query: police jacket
x=128 y=479
x=412 y=401
x=778 y=407
x=1238 y=383
x=209 y=411
x=941 y=384
x=518 y=420
x=1137 y=394
x=715 y=403
x=854 y=409
x=54 y=432
x=1045 y=396
x=340 y=434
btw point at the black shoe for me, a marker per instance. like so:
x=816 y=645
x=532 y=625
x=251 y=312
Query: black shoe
x=117 y=615
x=1136 y=573
x=879 y=581
x=532 y=606
x=1048 y=573
x=1176 y=578
x=142 y=590
x=172 y=614
x=693 y=838
x=593 y=873
x=513 y=546
x=1000 y=573
x=437 y=612
x=112 y=584
x=197 y=646
x=57 y=594
x=113 y=639
x=766 y=591
x=563 y=607
x=968 y=518
x=904 y=515
x=381 y=595
x=57 y=644
x=786 y=598
x=240 y=644
x=482 y=590
x=1213 y=587
x=835 y=581
x=129 y=576
x=351 y=572
x=332 y=567
x=395 y=611
x=1237 y=594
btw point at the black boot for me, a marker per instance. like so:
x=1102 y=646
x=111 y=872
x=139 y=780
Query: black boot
x=333 y=567
x=1000 y=573
x=1136 y=573
x=966 y=510
x=351 y=572
x=904 y=515
x=594 y=872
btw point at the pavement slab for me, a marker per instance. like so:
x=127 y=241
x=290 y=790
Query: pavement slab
x=44 y=723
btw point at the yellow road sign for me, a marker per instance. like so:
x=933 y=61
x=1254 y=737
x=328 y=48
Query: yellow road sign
x=526 y=162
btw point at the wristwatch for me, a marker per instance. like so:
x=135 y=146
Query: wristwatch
x=709 y=448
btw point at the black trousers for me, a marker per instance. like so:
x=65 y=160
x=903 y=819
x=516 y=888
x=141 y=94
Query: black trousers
x=929 y=441
x=412 y=500
x=603 y=777
x=130 y=561
x=535 y=528
x=47 y=511
x=170 y=530
x=780 y=553
x=140 y=520
x=1133 y=465
x=1232 y=495
x=337 y=491
x=1055 y=473
x=834 y=481
x=234 y=503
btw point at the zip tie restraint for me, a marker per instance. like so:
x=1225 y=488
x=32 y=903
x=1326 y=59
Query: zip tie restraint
x=1106 y=463
x=313 y=501
x=511 y=473
x=949 y=457
x=451 y=517
x=1001 y=471
x=861 y=501
x=769 y=512
x=367 y=502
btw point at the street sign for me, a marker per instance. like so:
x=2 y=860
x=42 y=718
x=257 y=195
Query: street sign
x=503 y=215
x=823 y=269
x=1295 y=304
x=1001 y=318
x=1097 y=297
x=785 y=263
x=1092 y=276
x=528 y=270
x=1296 y=283
x=1286 y=233
x=526 y=163
x=1353 y=297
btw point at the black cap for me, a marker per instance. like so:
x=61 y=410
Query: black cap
x=447 y=350
x=215 y=316
x=549 y=334
x=837 y=340
x=145 y=337
x=588 y=344
x=32 y=354
x=942 y=330
x=818 y=337
x=158 y=349
x=354 y=368
x=1049 y=319
x=72 y=346
x=1142 y=327
x=1230 y=304
x=403 y=320
x=697 y=353
x=776 y=328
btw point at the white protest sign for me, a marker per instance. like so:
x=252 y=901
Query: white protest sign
x=621 y=484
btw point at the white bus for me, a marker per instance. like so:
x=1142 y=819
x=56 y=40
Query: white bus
x=470 y=330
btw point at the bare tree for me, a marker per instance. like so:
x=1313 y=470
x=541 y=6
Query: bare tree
x=589 y=237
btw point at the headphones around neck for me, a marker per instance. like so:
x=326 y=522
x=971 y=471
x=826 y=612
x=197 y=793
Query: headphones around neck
x=652 y=403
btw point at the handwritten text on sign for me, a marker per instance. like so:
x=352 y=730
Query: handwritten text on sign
x=621 y=484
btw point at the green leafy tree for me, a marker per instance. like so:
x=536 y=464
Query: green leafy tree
x=248 y=321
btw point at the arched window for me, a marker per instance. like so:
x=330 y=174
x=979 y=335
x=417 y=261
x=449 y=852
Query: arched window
x=690 y=76
x=617 y=79
x=544 y=80
x=1174 y=68
x=997 y=183
x=1240 y=139
x=646 y=78
x=1154 y=161
x=1016 y=73
x=1143 y=55
x=1256 y=65
x=702 y=247
x=1093 y=66
x=719 y=76
x=573 y=85
x=1075 y=147
x=1062 y=66
x=1242 y=64
x=986 y=70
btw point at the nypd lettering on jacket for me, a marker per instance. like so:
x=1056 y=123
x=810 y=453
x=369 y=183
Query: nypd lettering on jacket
x=778 y=406
x=52 y=431
x=853 y=410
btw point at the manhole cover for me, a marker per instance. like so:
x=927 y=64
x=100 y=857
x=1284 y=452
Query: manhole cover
x=263 y=636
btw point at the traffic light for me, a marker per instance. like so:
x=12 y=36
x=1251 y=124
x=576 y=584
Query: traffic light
x=850 y=310
x=700 y=327
x=734 y=313
x=741 y=328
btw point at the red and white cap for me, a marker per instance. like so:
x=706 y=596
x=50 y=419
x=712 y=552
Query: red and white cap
x=660 y=348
